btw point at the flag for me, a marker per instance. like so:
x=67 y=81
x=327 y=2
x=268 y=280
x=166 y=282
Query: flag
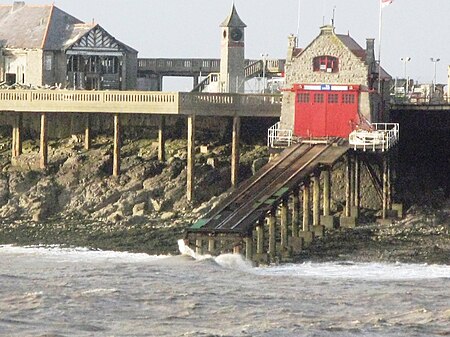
x=385 y=3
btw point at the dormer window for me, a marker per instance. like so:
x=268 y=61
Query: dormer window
x=327 y=64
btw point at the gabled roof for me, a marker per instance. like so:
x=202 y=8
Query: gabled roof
x=41 y=27
x=233 y=20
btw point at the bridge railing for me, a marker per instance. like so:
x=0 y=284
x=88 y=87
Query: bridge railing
x=183 y=65
x=140 y=102
x=216 y=104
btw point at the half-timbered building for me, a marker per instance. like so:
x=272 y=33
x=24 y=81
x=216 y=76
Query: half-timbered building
x=45 y=46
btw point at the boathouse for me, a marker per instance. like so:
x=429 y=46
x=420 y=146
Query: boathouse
x=41 y=45
x=331 y=86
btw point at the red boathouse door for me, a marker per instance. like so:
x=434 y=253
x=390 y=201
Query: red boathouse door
x=326 y=110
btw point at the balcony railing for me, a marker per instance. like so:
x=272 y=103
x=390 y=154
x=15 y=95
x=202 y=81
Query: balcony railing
x=382 y=137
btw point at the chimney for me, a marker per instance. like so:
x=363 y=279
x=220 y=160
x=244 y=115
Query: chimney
x=17 y=5
x=292 y=44
x=370 y=54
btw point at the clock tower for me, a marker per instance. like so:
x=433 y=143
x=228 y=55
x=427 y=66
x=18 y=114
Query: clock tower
x=232 y=57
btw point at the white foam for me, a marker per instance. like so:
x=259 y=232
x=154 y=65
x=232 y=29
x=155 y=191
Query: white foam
x=77 y=254
x=366 y=271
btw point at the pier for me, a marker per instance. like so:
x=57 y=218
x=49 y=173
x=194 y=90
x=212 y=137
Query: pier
x=116 y=104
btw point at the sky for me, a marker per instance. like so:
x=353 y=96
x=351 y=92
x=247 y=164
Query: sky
x=419 y=29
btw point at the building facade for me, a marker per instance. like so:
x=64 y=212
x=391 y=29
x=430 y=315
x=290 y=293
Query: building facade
x=331 y=86
x=45 y=46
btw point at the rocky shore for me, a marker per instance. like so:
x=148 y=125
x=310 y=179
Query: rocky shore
x=76 y=202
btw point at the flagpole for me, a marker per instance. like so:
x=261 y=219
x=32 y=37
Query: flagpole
x=298 y=22
x=380 y=30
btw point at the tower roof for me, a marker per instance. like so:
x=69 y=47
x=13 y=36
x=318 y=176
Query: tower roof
x=233 y=20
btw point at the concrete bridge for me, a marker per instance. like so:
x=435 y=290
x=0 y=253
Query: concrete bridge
x=16 y=103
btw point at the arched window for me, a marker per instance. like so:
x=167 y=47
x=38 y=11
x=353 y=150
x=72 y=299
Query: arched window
x=326 y=63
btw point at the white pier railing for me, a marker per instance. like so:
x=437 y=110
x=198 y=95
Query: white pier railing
x=277 y=137
x=382 y=137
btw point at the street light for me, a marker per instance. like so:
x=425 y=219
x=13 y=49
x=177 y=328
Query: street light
x=264 y=62
x=435 y=61
x=405 y=60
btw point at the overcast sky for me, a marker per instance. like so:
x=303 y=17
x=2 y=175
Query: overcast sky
x=419 y=29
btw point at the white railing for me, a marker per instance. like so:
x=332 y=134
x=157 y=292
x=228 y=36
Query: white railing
x=382 y=137
x=277 y=137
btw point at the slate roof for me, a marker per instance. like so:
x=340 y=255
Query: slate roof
x=233 y=20
x=41 y=27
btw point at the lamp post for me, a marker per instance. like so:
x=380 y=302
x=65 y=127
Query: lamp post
x=435 y=61
x=264 y=62
x=405 y=60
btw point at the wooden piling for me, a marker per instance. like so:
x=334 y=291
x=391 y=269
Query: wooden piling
x=326 y=192
x=117 y=144
x=260 y=237
x=16 y=150
x=249 y=248
x=348 y=186
x=295 y=212
x=162 y=139
x=235 y=151
x=190 y=158
x=272 y=233
x=306 y=196
x=43 y=143
x=316 y=198
x=284 y=223
x=87 y=132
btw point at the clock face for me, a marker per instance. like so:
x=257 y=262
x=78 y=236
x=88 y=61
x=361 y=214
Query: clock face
x=236 y=34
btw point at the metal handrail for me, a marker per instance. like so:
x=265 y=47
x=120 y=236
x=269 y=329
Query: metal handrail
x=278 y=137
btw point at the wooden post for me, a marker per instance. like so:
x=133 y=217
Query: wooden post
x=284 y=223
x=348 y=186
x=43 y=144
x=116 y=152
x=162 y=139
x=235 y=151
x=17 y=136
x=199 y=246
x=260 y=237
x=326 y=192
x=272 y=232
x=295 y=212
x=385 y=186
x=211 y=245
x=306 y=193
x=87 y=132
x=190 y=158
x=316 y=198
x=249 y=247
x=357 y=187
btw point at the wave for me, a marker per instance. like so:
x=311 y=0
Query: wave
x=76 y=254
x=365 y=271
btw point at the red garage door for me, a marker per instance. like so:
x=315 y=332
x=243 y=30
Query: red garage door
x=326 y=113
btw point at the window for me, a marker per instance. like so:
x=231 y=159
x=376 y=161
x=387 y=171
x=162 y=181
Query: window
x=318 y=98
x=328 y=64
x=303 y=98
x=333 y=98
x=110 y=65
x=348 y=98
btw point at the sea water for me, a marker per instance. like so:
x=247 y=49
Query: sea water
x=51 y=291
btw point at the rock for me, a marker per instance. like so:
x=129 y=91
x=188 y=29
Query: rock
x=139 y=209
x=155 y=204
x=204 y=149
x=167 y=215
x=212 y=162
x=114 y=217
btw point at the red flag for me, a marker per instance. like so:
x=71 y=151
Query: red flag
x=385 y=3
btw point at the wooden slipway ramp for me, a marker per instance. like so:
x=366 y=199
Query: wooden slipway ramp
x=239 y=213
